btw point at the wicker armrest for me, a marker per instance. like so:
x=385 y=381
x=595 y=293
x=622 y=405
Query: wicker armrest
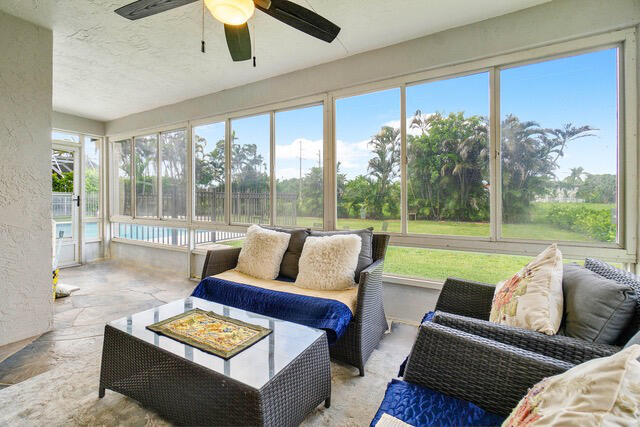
x=466 y=298
x=220 y=260
x=560 y=347
x=492 y=375
x=369 y=286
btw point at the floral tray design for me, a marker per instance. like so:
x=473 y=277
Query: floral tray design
x=220 y=335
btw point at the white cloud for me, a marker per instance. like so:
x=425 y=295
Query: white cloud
x=310 y=149
x=353 y=156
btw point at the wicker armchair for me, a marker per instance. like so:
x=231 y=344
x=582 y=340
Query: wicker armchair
x=369 y=322
x=490 y=374
x=465 y=305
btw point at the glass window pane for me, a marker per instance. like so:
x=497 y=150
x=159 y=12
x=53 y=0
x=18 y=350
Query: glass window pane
x=209 y=163
x=438 y=264
x=299 y=141
x=559 y=148
x=122 y=157
x=151 y=234
x=213 y=239
x=92 y=230
x=448 y=156
x=65 y=136
x=146 y=176
x=63 y=190
x=368 y=161
x=250 y=170
x=92 y=177
x=174 y=179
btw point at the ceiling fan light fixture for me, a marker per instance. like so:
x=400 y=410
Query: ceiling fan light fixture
x=232 y=12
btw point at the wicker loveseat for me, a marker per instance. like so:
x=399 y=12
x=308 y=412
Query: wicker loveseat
x=368 y=324
x=456 y=378
x=465 y=305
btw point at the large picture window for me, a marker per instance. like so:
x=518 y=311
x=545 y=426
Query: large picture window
x=209 y=164
x=146 y=170
x=92 y=184
x=250 y=160
x=368 y=161
x=500 y=156
x=559 y=148
x=122 y=159
x=299 y=178
x=448 y=156
x=173 y=145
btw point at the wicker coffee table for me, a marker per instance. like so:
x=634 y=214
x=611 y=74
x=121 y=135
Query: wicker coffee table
x=277 y=382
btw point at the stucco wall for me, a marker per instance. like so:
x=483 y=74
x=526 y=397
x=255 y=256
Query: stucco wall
x=25 y=181
x=557 y=21
x=71 y=123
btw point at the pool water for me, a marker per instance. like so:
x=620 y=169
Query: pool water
x=91 y=230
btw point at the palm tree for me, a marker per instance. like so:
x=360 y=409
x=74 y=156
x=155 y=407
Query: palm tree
x=384 y=167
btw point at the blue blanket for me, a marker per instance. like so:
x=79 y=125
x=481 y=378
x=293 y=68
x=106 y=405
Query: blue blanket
x=321 y=313
x=420 y=406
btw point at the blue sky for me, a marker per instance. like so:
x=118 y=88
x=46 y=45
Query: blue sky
x=579 y=90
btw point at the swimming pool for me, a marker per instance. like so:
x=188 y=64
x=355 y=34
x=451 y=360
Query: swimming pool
x=91 y=230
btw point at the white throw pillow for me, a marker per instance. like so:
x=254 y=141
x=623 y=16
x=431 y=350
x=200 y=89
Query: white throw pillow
x=329 y=262
x=600 y=392
x=532 y=299
x=262 y=252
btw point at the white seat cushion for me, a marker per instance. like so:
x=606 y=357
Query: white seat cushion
x=262 y=252
x=329 y=262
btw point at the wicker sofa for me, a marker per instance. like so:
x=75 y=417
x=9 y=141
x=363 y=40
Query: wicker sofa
x=465 y=305
x=368 y=324
x=447 y=369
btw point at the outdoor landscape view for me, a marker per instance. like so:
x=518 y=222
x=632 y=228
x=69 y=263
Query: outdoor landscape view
x=558 y=150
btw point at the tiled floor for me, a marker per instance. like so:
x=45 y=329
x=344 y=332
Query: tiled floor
x=64 y=363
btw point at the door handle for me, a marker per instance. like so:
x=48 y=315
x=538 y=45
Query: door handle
x=77 y=200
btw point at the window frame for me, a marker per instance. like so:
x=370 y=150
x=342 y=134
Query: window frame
x=625 y=250
x=115 y=217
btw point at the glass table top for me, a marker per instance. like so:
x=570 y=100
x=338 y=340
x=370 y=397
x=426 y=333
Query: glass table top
x=254 y=366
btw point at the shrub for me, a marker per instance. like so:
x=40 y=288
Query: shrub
x=593 y=222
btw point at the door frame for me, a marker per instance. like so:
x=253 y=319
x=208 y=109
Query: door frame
x=77 y=240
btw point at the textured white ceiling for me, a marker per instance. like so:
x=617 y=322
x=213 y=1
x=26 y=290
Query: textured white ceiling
x=107 y=67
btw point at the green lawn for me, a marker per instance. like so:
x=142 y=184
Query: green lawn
x=439 y=264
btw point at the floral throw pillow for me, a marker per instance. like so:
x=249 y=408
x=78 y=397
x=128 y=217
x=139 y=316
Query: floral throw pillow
x=600 y=392
x=532 y=298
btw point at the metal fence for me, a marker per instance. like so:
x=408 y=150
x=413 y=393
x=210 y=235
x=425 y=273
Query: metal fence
x=246 y=207
x=62 y=204
x=170 y=235
x=151 y=234
x=206 y=236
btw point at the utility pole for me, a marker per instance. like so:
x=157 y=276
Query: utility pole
x=300 y=173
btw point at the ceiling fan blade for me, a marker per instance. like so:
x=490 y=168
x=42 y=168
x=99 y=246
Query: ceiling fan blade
x=143 y=8
x=301 y=18
x=239 y=41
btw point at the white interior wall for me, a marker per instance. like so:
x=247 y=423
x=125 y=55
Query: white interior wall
x=25 y=179
x=537 y=26
x=76 y=124
x=170 y=260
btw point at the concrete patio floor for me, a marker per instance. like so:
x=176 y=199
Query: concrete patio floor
x=54 y=378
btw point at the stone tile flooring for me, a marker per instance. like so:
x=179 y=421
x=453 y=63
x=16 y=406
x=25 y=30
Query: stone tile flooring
x=55 y=377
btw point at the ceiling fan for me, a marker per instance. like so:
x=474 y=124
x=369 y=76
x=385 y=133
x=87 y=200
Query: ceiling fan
x=234 y=14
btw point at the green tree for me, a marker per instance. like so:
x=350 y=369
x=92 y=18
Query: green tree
x=598 y=188
x=448 y=163
x=384 y=168
x=62 y=183
x=530 y=157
